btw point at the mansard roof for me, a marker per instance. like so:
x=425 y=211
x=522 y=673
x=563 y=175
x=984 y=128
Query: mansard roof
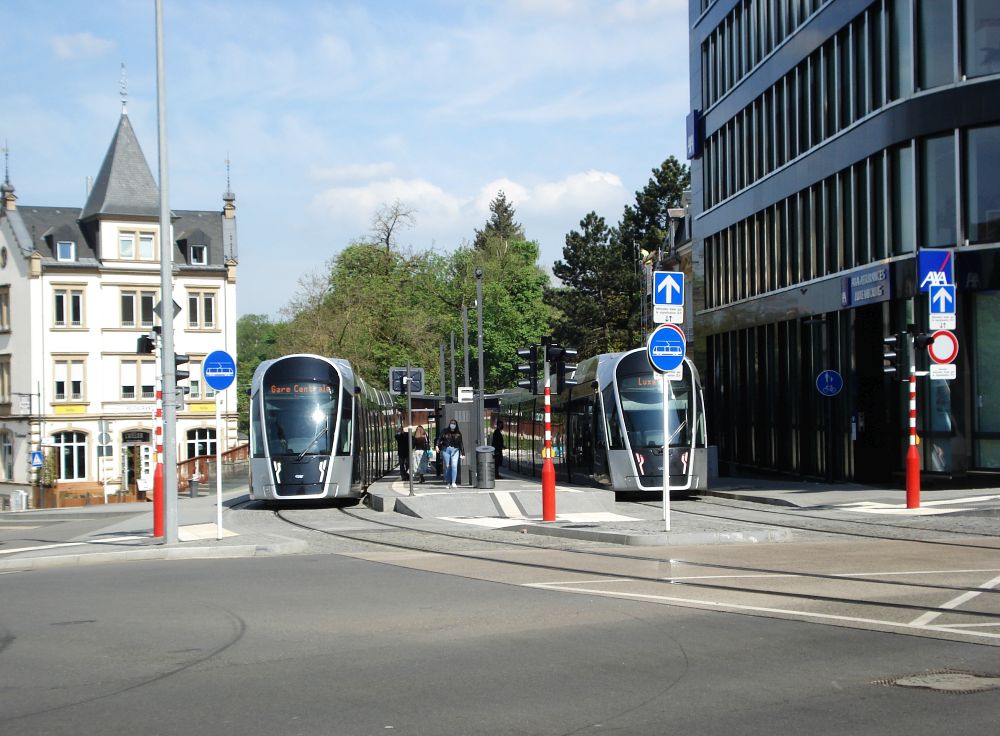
x=125 y=184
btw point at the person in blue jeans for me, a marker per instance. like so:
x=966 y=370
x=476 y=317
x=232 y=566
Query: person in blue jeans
x=452 y=450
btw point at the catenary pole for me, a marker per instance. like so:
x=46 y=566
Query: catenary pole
x=481 y=401
x=168 y=367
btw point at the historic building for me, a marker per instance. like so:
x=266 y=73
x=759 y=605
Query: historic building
x=78 y=288
x=832 y=143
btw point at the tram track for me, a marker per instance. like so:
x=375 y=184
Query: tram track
x=762 y=576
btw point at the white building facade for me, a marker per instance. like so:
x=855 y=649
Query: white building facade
x=78 y=288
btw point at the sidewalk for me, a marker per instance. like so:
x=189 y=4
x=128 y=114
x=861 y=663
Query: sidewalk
x=118 y=532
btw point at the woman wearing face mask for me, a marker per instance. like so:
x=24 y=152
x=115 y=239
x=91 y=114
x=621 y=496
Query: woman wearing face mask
x=452 y=450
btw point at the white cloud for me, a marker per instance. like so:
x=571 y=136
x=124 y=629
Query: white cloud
x=79 y=45
x=354 y=206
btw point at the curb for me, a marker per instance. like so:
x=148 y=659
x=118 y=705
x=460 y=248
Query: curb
x=270 y=549
x=642 y=539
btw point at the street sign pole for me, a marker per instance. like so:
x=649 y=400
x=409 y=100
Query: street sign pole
x=219 y=372
x=218 y=464
x=666 y=452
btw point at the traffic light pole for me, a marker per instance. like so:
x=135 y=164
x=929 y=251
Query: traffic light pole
x=168 y=368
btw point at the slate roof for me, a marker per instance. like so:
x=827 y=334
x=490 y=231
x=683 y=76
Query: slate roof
x=124 y=185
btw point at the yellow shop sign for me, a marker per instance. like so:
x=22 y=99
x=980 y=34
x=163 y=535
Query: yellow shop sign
x=200 y=407
x=70 y=409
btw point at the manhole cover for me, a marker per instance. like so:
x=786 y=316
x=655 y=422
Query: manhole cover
x=946 y=681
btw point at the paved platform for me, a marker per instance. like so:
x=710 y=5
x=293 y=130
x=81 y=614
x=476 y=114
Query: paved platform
x=118 y=532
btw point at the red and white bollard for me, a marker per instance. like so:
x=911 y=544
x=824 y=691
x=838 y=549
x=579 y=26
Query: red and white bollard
x=548 y=467
x=912 y=454
x=158 y=497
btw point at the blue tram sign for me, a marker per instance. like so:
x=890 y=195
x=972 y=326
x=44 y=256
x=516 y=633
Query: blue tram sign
x=219 y=370
x=666 y=348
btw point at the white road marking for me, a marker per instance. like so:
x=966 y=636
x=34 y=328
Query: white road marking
x=927 y=508
x=760 y=609
x=954 y=603
x=111 y=540
x=507 y=505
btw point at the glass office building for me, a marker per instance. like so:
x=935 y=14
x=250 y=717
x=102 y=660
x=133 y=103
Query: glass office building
x=832 y=142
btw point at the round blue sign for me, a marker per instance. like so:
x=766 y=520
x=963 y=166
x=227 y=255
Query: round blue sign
x=666 y=347
x=219 y=370
x=829 y=383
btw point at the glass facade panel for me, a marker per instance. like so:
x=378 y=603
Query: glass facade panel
x=937 y=195
x=901 y=45
x=981 y=37
x=987 y=362
x=936 y=47
x=903 y=203
x=982 y=186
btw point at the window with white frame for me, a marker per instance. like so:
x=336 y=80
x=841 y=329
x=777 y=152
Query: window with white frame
x=65 y=250
x=4 y=308
x=133 y=246
x=198 y=254
x=137 y=308
x=126 y=246
x=201 y=310
x=6 y=455
x=71 y=455
x=69 y=383
x=138 y=379
x=200 y=442
x=68 y=307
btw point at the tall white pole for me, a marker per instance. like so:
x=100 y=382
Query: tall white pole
x=218 y=464
x=666 y=451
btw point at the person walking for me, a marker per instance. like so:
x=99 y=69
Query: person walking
x=497 y=448
x=421 y=447
x=403 y=451
x=453 y=450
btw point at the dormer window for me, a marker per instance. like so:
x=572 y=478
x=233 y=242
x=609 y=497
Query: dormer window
x=199 y=255
x=65 y=250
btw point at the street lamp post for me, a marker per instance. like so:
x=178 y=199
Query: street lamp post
x=481 y=401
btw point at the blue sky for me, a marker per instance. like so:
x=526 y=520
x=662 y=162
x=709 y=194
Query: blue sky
x=329 y=109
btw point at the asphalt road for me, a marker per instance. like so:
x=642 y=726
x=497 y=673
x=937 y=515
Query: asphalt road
x=330 y=644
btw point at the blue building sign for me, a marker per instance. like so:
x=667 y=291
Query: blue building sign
x=935 y=268
x=869 y=286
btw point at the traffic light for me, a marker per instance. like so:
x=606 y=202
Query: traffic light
x=145 y=345
x=922 y=341
x=180 y=375
x=896 y=355
x=529 y=354
x=562 y=368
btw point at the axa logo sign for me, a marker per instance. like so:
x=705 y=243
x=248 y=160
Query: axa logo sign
x=935 y=268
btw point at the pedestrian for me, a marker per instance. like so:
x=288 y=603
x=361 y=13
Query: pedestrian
x=497 y=448
x=403 y=452
x=453 y=451
x=421 y=449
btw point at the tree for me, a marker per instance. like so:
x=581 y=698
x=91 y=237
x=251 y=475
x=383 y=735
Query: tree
x=501 y=229
x=599 y=282
x=602 y=288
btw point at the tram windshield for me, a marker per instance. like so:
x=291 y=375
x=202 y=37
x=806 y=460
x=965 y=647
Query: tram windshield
x=641 y=395
x=300 y=407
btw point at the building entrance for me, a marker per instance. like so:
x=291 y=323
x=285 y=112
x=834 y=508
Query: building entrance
x=876 y=437
x=137 y=462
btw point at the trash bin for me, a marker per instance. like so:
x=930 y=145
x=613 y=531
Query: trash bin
x=484 y=467
x=193 y=487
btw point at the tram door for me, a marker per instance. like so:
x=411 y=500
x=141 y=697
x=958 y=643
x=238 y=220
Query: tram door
x=876 y=438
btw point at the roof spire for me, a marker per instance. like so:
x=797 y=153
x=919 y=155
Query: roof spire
x=6 y=163
x=123 y=89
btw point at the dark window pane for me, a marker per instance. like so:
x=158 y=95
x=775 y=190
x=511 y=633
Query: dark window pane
x=936 y=47
x=937 y=200
x=903 y=203
x=983 y=185
x=982 y=37
x=901 y=43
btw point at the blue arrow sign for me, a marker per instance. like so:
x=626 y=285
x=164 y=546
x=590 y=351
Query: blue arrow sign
x=829 y=383
x=666 y=348
x=219 y=370
x=36 y=459
x=668 y=288
x=942 y=299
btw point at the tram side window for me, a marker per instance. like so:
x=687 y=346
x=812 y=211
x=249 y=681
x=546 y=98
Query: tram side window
x=616 y=440
x=257 y=437
x=346 y=434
